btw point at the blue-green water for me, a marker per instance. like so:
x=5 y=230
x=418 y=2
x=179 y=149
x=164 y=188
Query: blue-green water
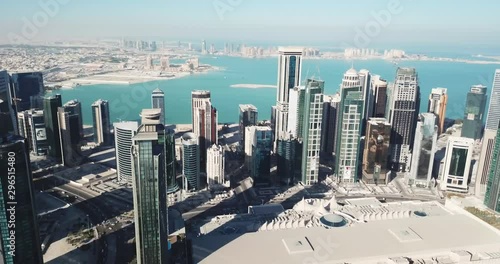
x=126 y=101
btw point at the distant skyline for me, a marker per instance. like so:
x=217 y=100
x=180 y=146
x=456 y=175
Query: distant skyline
x=423 y=22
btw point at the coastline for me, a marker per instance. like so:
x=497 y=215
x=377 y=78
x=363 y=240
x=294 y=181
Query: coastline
x=126 y=77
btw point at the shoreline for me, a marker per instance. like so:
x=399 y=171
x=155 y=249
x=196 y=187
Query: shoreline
x=125 y=78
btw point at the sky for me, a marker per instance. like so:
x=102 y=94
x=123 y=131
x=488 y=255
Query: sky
x=332 y=22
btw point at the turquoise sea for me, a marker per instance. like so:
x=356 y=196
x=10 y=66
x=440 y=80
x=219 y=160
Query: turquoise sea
x=126 y=101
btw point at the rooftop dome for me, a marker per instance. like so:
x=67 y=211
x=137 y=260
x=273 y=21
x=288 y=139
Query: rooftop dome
x=333 y=220
x=351 y=71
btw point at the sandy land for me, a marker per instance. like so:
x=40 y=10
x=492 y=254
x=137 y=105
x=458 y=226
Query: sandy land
x=252 y=86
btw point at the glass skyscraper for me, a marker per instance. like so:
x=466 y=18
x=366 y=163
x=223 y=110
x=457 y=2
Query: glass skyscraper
x=102 y=124
x=494 y=108
x=27 y=90
x=150 y=190
x=474 y=112
x=376 y=151
x=18 y=222
x=158 y=102
x=50 y=108
x=289 y=154
x=191 y=161
x=349 y=127
x=492 y=196
x=424 y=149
x=124 y=132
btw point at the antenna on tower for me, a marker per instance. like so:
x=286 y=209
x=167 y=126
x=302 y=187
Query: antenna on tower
x=307 y=74
x=319 y=72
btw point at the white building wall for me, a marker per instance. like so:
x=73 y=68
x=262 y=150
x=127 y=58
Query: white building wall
x=456 y=148
x=215 y=166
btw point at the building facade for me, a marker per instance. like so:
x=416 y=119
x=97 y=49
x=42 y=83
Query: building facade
x=457 y=164
x=124 y=132
x=483 y=169
x=216 y=167
x=248 y=117
x=331 y=106
x=289 y=74
x=18 y=218
x=158 y=102
x=50 y=109
x=31 y=126
x=311 y=131
x=349 y=126
x=74 y=107
x=6 y=102
x=70 y=137
x=376 y=151
x=102 y=122
x=492 y=195
x=191 y=161
x=204 y=123
x=494 y=107
x=403 y=114
x=474 y=112
x=424 y=149
x=380 y=96
x=438 y=99
x=150 y=190
x=289 y=156
x=27 y=91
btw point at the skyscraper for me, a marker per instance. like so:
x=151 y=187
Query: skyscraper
x=204 y=123
x=102 y=124
x=311 y=131
x=380 y=96
x=376 y=151
x=365 y=79
x=289 y=71
x=203 y=47
x=494 y=108
x=296 y=107
x=438 y=99
x=150 y=190
x=492 y=196
x=248 y=117
x=6 y=103
x=50 y=108
x=484 y=162
x=331 y=106
x=32 y=127
x=261 y=153
x=457 y=164
x=124 y=132
x=349 y=127
x=424 y=148
x=215 y=166
x=69 y=131
x=18 y=223
x=403 y=114
x=149 y=63
x=74 y=107
x=289 y=156
x=474 y=112
x=27 y=90
x=191 y=161
x=158 y=102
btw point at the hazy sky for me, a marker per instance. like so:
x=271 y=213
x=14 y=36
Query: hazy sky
x=458 y=22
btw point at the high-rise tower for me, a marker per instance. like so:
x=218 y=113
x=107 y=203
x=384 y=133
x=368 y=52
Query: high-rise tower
x=289 y=71
x=18 y=223
x=150 y=190
x=438 y=99
x=27 y=90
x=102 y=124
x=158 y=102
x=424 y=148
x=474 y=112
x=204 y=123
x=124 y=132
x=494 y=108
x=484 y=162
x=403 y=115
x=191 y=161
x=349 y=125
x=50 y=108
x=492 y=196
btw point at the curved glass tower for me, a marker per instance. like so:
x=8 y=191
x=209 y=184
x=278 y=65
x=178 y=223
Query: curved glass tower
x=124 y=132
x=191 y=160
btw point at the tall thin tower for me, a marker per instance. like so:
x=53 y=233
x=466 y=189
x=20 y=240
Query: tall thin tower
x=403 y=115
x=150 y=189
x=289 y=70
x=204 y=117
x=158 y=102
x=438 y=99
x=494 y=109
